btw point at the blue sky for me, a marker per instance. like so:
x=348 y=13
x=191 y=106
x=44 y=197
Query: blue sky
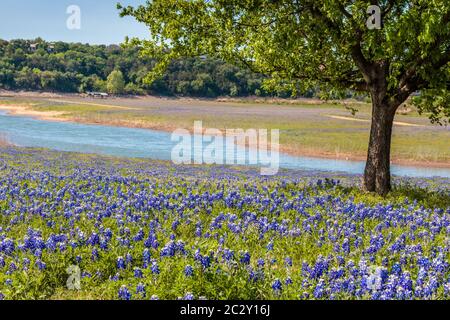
x=100 y=21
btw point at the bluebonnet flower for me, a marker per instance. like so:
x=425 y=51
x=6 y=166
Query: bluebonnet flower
x=320 y=268
x=245 y=258
x=288 y=262
x=124 y=293
x=188 y=271
x=447 y=288
x=138 y=273
x=277 y=286
x=439 y=264
x=228 y=255
x=175 y=224
x=104 y=245
x=180 y=247
x=146 y=256
x=205 y=262
x=121 y=263
x=140 y=290
x=260 y=263
x=12 y=267
x=198 y=232
x=50 y=245
x=346 y=246
x=253 y=276
x=319 y=290
x=116 y=277
x=431 y=287
x=41 y=265
x=94 y=254
x=336 y=273
x=155 y=268
x=396 y=269
x=169 y=249
x=26 y=262
x=151 y=242
x=94 y=239
x=139 y=236
x=424 y=263
x=188 y=296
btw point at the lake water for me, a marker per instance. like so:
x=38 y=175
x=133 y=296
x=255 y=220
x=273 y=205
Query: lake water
x=129 y=142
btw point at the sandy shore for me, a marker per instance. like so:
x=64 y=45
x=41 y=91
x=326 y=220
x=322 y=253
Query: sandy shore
x=25 y=111
x=305 y=152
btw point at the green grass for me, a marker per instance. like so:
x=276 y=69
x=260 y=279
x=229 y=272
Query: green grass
x=426 y=197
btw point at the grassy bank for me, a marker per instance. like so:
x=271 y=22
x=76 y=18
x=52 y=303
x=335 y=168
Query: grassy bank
x=307 y=128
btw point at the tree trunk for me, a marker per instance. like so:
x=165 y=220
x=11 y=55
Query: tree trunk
x=377 y=175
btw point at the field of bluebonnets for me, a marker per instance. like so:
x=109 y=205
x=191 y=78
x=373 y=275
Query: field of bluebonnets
x=142 y=229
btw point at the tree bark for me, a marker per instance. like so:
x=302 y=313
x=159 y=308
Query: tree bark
x=377 y=174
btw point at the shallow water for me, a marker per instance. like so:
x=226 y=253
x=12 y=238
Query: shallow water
x=130 y=142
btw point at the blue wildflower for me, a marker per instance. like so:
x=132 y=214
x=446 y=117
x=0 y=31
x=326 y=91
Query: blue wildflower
x=140 y=290
x=124 y=293
x=245 y=258
x=121 y=263
x=277 y=286
x=155 y=268
x=138 y=273
x=188 y=296
x=188 y=271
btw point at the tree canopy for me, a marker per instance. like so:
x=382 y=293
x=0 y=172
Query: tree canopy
x=74 y=67
x=115 y=83
x=304 y=44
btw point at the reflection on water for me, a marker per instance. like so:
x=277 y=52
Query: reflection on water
x=129 y=142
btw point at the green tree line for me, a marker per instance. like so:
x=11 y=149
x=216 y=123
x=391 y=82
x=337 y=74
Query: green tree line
x=74 y=67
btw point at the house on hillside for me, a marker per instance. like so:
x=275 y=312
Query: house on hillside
x=100 y=95
x=51 y=47
x=33 y=47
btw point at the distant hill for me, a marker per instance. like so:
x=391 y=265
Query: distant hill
x=74 y=67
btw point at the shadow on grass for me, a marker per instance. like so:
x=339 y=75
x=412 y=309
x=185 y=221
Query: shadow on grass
x=430 y=199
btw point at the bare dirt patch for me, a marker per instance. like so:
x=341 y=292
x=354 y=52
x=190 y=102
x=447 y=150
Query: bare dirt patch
x=398 y=123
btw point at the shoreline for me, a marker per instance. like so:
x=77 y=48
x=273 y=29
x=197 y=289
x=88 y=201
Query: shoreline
x=20 y=110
